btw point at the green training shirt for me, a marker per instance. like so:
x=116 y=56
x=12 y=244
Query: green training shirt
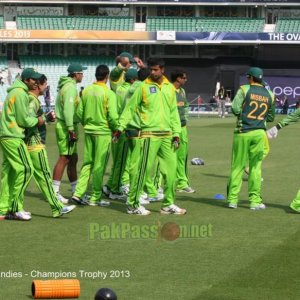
x=97 y=110
x=15 y=115
x=33 y=136
x=253 y=105
x=67 y=101
x=116 y=77
x=182 y=105
x=157 y=107
x=121 y=92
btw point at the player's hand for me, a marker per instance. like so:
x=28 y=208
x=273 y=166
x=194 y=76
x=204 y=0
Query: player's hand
x=50 y=116
x=116 y=136
x=176 y=142
x=72 y=137
x=272 y=132
x=40 y=112
x=41 y=121
x=139 y=62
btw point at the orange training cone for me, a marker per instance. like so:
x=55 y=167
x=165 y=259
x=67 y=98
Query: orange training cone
x=55 y=289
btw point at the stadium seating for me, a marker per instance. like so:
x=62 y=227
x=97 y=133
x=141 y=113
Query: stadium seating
x=55 y=66
x=288 y=25
x=2 y=22
x=75 y=23
x=205 y=24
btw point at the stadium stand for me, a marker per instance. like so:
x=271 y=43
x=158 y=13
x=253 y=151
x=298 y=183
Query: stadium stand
x=2 y=22
x=75 y=23
x=205 y=24
x=55 y=66
x=288 y=25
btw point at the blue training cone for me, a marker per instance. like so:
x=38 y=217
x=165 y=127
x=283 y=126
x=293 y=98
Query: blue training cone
x=219 y=197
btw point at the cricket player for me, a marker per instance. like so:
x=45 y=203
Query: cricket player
x=124 y=62
x=121 y=147
x=179 y=78
x=67 y=128
x=253 y=105
x=98 y=115
x=266 y=140
x=155 y=100
x=37 y=151
x=273 y=132
x=17 y=168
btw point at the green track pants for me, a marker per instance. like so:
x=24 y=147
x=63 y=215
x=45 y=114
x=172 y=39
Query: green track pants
x=246 y=146
x=17 y=170
x=95 y=158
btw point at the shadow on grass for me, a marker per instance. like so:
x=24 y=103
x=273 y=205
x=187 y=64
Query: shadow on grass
x=220 y=203
x=286 y=208
x=37 y=194
x=242 y=203
x=221 y=176
x=215 y=175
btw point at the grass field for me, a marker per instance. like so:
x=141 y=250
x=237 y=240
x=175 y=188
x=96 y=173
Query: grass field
x=238 y=254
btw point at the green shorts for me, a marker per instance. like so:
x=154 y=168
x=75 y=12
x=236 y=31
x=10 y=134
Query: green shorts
x=62 y=138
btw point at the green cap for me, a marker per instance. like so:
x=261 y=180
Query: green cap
x=255 y=72
x=75 y=68
x=131 y=74
x=128 y=55
x=30 y=73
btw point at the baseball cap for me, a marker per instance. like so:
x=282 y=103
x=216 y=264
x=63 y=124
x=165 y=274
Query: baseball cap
x=255 y=72
x=30 y=73
x=128 y=55
x=131 y=74
x=75 y=68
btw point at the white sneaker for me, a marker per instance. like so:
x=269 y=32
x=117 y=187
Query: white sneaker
x=65 y=210
x=22 y=216
x=258 y=207
x=62 y=199
x=117 y=196
x=141 y=210
x=232 y=205
x=98 y=203
x=160 y=190
x=125 y=189
x=159 y=197
x=106 y=190
x=143 y=201
x=78 y=200
x=103 y=203
x=186 y=190
x=172 y=209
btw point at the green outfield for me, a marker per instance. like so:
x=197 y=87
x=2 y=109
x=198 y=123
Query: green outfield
x=220 y=254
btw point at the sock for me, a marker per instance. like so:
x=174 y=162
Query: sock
x=56 y=185
x=73 y=186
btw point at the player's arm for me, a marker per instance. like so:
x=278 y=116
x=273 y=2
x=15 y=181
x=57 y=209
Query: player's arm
x=112 y=116
x=69 y=96
x=116 y=73
x=271 y=111
x=186 y=106
x=79 y=109
x=130 y=108
x=23 y=118
x=175 y=120
x=237 y=102
x=290 y=119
